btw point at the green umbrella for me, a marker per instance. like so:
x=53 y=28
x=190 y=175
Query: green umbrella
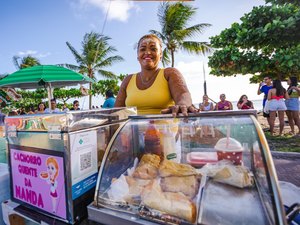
x=43 y=76
x=47 y=76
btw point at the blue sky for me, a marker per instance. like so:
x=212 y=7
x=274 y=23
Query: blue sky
x=41 y=28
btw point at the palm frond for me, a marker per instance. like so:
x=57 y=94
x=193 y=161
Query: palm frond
x=69 y=66
x=77 y=56
x=16 y=62
x=109 y=61
x=190 y=32
x=107 y=74
x=196 y=47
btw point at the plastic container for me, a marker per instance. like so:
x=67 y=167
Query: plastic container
x=229 y=149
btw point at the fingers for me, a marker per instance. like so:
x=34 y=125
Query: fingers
x=176 y=109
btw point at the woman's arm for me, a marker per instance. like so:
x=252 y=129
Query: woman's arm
x=286 y=95
x=211 y=106
x=121 y=97
x=179 y=91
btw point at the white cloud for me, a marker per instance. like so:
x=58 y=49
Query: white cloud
x=117 y=10
x=28 y=52
x=33 y=53
x=232 y=86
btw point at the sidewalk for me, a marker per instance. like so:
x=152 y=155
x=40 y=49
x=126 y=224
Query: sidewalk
x=287 y=166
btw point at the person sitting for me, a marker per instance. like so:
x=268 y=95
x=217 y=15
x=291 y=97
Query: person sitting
x=223 y=104
x=41 y=108
x=206 y=105
x=75 y=105
x=53 y=107
x=109 y=99
x=276 y=97
x=154 y=90
x=244 y=103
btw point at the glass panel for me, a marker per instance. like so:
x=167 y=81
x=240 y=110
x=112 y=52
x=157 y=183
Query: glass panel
x=195 y=169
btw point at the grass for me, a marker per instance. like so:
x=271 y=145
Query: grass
x=286 y=143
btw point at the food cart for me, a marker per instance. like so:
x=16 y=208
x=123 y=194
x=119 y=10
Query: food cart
x=207 y=168
x=54 y=159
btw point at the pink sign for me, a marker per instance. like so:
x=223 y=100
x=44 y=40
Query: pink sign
x=38 y=180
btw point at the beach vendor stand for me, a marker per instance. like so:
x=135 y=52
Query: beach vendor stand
x=54 y=160
x=163 y=170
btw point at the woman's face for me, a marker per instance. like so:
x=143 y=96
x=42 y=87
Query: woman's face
x=41 y=106
x=245 y=98
x=205 y=98
x=149 y=53
x=51 y=170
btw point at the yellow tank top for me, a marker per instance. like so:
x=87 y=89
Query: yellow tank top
x=151 y=100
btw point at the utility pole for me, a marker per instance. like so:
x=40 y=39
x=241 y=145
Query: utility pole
x=204 y=84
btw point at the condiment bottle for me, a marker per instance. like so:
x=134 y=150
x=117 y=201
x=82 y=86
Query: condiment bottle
x=152 y=140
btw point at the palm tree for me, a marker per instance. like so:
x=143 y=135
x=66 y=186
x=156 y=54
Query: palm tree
x=25 y=62
x=94 y=57
x=174 y=19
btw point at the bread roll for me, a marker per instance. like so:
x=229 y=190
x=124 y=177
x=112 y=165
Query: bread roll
x=148 y=167
x=174 y=204
x=188 y=185
x=136 y=187
x=169 y=168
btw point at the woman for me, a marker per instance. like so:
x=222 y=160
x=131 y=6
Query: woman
x=223 y=104
x=154 y=90
x=206 y=105
x=292 y=104
x=276 y=97
x=41 y=108
x=244 y=103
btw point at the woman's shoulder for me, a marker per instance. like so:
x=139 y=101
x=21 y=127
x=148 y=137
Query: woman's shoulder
x=126 y=80
x=171 y=70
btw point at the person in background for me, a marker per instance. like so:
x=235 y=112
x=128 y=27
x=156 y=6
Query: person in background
x=109 y=99
x=31 y=110
x=65 y=108
x=154 y=90
x=264 y=87
x=21 y=111
x=53 y=107
x=41 y=108
x=244 y=103
x=223 y=104
x=276 y=97
x=292 y=104
x=75 y=105
x=206 y=105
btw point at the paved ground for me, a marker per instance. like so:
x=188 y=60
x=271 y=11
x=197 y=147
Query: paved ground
x=287 y=166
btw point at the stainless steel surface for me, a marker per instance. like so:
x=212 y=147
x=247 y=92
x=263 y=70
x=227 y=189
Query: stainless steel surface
x=227 y=205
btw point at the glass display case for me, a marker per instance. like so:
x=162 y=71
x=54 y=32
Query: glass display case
x=54 y=159
x=207 y=168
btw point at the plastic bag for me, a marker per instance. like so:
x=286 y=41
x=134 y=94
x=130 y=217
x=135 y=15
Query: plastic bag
x=225 y=172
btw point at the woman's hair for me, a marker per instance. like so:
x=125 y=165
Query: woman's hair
x=149 y=36
x=41 y=103
x=294 y=82
x=241 y=98
x=55 y=163
x=279 y=88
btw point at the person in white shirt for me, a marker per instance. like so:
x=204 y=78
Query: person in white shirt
x=53 y=107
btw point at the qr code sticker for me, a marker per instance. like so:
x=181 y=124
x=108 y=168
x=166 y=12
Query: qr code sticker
x=85 y=161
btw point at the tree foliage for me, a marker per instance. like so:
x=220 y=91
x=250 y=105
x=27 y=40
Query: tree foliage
x=25 y=62
x=95 y=57
x=175 y=31
x=266 y=42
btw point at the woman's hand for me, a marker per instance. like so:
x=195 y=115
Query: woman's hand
x=176 y=109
